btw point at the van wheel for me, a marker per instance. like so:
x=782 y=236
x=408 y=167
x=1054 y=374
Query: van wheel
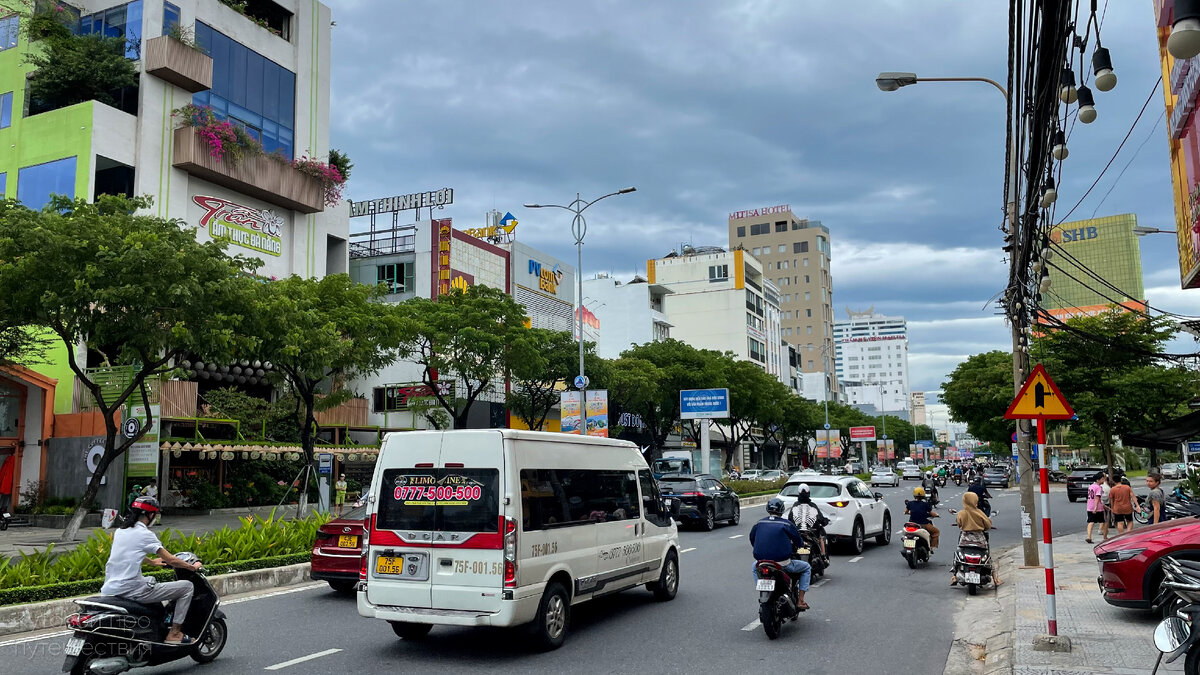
x=410 y=631
x=549 y=627
x=344 y=587
x=668 y=581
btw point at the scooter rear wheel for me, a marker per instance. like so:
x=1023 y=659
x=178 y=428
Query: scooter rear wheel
x=769 y=620
x=972 y=589
x=912 y=561
x=211 y=642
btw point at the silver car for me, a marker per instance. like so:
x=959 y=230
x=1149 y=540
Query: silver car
x=884 y=476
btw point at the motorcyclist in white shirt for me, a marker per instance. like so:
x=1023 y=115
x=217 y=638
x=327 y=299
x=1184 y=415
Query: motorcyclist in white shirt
x=132 y=543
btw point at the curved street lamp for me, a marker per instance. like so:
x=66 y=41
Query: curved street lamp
x=579 y=230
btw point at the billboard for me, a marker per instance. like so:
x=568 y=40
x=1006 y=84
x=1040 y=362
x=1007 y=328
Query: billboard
x=597 y=412
x=695 y=404
x=821 y=448
x=862 y=434
x=1106 y=246
x=570 y=412
x=835 y=444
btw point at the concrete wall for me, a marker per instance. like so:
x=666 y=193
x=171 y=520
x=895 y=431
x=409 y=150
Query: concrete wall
x=67 y=471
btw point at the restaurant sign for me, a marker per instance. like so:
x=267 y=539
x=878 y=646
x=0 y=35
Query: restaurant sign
x=256 y=229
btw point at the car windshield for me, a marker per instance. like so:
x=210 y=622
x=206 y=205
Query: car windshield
x=816 y=490
x=883 y=471
x=668 y=465
x=678 y=485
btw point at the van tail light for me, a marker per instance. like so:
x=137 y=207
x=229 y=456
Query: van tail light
x=368 y=529
x=510 y=552
x=840 y=503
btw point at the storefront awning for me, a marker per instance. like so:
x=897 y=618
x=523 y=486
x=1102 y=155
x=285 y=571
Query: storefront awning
x=1168 y=436
x=293 y=453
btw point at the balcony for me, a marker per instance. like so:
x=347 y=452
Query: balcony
x=261 y=177
x=169 y=59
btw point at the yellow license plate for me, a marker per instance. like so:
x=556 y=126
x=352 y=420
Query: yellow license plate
x=348 y=541
x=389 y=565
x=802 y=551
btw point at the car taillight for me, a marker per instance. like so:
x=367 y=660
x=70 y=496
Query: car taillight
x=973 y=558
x=693 y=494
x=839 y=503
x=510 y=553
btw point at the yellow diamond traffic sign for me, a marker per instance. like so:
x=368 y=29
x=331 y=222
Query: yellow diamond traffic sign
x=1039 y=398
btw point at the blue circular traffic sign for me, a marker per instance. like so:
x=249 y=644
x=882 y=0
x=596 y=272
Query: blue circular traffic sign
x=827 y=427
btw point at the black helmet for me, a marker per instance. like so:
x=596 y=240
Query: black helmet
x=146 y=505
x=775 y=506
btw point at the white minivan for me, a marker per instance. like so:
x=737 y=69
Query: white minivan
x=500 y=527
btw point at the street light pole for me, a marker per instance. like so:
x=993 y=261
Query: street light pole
x=579 y=231
x=892 y=81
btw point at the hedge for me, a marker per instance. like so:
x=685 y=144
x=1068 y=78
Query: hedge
x=25 y=594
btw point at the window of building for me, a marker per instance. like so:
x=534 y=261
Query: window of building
x=397 y=277
x=170 y=17
x=810 y=363
x=757 y=250
x=807 y=279
x=718 y=272
x=760 y=228
x=9 y=31
x=806 y=262
x=741 y=231
x=6 y=110
x=123 y=21
x=36 y=183
x=781 y=226
x=782 y=248
x=803 y=247
x=3 y=184
x=758 y=350
x=808 y=313
x=809 y=331
x=249 y=90
x=808 y=296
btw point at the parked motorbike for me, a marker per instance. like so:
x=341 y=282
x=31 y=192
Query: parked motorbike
x=114 y=634
x=777 y=599
x=5 y=518
x=915 y=546
x=1176 y=634
x=973 y=560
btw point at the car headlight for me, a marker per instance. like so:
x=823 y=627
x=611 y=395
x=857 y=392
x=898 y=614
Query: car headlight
x=1119 y=556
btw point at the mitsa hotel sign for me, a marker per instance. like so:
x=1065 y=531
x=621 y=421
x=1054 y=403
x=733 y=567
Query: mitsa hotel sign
x=259 y=230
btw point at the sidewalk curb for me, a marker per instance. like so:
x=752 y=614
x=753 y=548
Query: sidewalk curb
x=53 y=613
x=984 y=645
x=755 y=501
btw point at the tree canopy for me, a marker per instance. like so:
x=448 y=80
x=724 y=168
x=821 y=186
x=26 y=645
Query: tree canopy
x=978 y=392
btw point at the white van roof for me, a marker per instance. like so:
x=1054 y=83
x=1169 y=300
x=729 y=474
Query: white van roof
x=522 y=435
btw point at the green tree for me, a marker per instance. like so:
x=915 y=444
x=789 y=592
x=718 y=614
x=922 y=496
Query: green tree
x=786 y=419
x=473 y=339
x=678 y=366
x=978 y=393
x=535 y=395
x=320 y=334
x=71 y=68
x=633 y=386
x=1111 y=370
x=137 y=288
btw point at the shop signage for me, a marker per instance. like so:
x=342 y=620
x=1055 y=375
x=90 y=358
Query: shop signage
x=1186 y=102
x=1064 y=235
x=443 y=235
x=142 y=457
x=417 y=200
x=256 y=229
x=548 y=279
x=858 y=434
x=399 y=396
x=502 y=230
x=766 y=211
x=91 y=458
x=631 y=421
x=874 y=338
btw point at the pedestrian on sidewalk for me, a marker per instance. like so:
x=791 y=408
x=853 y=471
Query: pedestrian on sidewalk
x=1095 y=507
x=1121 y=498
x=339 y=491
x=1157 y=497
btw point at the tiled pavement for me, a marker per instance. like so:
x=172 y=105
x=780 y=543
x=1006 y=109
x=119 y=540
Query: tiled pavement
x=1105 y=639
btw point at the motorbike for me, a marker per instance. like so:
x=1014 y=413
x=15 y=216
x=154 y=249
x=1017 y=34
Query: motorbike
x=113 y=634
x=915 y=546
x=958 y=480
x=973 y=560
x=5 y=518
x=1175 y=635
x=812 y=554
x=776 y=597
x=940 y=481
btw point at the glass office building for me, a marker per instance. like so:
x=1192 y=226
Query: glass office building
x=1104 y=247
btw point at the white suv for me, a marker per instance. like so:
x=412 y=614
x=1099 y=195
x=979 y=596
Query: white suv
x=910 y=471
x=854 y=513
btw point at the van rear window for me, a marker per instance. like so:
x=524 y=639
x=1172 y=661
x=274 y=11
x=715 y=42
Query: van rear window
x=445 y=500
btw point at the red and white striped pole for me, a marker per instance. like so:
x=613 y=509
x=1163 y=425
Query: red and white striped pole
x=1047 y=533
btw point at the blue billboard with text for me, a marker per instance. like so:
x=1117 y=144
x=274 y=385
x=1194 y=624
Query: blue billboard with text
x=696 y=404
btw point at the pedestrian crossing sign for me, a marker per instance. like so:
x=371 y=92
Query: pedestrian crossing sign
x=1039 y=398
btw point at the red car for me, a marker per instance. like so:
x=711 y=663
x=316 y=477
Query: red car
x=337 y=551
x=1130 y=571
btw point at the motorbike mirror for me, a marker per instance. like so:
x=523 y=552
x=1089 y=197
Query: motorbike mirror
x=1170 y=634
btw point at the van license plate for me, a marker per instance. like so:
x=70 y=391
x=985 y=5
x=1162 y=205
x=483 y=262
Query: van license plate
x=972 y=577
x=407 y=566
x=765 y=585
x=348 y=541
x=910 y=543
x=74 y=647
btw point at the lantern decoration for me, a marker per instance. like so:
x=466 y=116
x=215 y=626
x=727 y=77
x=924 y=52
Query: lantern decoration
x=254 y=454
x=188 y=446
x=177 y=453
x=353 y=457
x=226 y=456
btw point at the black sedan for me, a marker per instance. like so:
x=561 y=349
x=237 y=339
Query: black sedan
x=1079 y=480
x=703 y=500
x=995 y=476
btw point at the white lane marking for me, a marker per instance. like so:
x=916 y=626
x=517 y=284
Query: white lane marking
x=736 y=536
x=855 y=559
x=260 y=596
x=302 y=659
x=752 y=625
x=35 y=638
x=820 y=583
x=688 y=549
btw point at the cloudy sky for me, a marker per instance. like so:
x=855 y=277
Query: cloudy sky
x=710 y=107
